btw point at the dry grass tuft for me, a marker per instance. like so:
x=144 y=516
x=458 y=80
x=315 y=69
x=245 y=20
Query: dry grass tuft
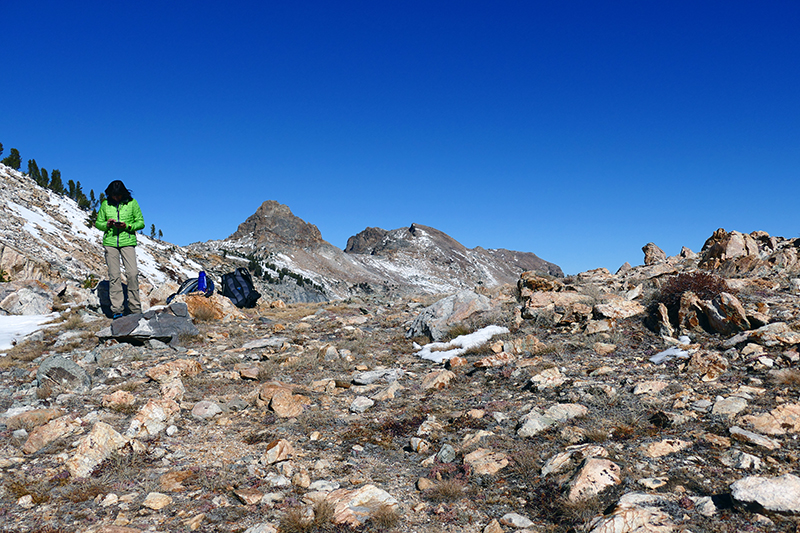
x=385 y=518
x=18 y=486
x=24 y=352
x=295 y=520
x=203 y=310
x=323 y=514
x=85 y=490
x=449 y=490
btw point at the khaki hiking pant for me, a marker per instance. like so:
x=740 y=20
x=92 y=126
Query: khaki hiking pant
x=128 y=256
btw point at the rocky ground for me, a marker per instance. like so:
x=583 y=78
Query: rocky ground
x=323 y=417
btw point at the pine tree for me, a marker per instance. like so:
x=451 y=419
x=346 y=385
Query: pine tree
x=1 y=148
x=55 y=182
x=152 y=231
x=13 y=160
x=160 y=235
x=44 y=180
x=71 y=189
x=33 y=170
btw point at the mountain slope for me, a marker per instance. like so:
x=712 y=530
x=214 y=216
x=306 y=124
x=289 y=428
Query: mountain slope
x=405 y=260
x=44 y=236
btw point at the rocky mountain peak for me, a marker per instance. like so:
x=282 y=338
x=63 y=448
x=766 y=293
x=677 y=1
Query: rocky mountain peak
x=274 y=224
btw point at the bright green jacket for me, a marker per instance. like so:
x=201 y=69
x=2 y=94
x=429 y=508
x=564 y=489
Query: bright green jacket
x=127 y=212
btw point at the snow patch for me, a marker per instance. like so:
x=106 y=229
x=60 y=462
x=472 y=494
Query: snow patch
x=439 y=352
x=15 y=327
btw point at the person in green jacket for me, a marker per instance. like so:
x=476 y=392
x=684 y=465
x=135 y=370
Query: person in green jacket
x=120 y=218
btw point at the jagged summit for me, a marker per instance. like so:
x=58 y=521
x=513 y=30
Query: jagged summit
x=274 y=223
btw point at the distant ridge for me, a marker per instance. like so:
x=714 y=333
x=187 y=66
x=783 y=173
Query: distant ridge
x=412 y=259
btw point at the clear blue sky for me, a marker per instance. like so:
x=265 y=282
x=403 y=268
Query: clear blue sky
x=577 y=130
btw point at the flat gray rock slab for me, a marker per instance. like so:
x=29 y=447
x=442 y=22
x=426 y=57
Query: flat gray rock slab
x=166 y=325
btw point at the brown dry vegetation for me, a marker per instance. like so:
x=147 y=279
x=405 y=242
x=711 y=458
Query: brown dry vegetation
x=224 y=454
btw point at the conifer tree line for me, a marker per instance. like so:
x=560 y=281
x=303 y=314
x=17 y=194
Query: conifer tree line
x=53 y=181
x=73 y=189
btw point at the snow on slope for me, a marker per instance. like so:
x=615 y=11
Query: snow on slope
x=52 y=230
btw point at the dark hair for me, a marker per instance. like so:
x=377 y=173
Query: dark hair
x=117 y=188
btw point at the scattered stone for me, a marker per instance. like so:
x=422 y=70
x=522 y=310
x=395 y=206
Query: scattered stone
x=262 y=528
x=30 y=420
x=249 y=496
x=173 y=481
x=368 y=378
x=666 y=447
x=726 y=314
x=594 y=476
x=95 y=448
x=779 y=494
x=276 y=343
x=486 y=462
x=206 y=409
x=156 y=501
x=165 y=325
x=496 y=360
x=120 y=399
x=438 y=379
x=388 y=393
x=278 y=396
x=493 y=527
x=650 y=387
x=424 y=484
x=635 y=512
x=602 y=348
x=361 y=404
x=551 y=377
x=754 y=438
x=536 y=421
x=50 y=432
x=173 y=389
x=153 y=418
x=278 y=450
x=653 y=255
x=355 y=507
x=780 y=421
x=248 y=370
x=729 y=407
x=740 y=460
x=775 y=334
x=618 y=309
x=563 y=460
x=516 y=520
x=64 y=374
x=709 y=365
x=435 y=321
x=652 y=483
x=447 y=454
x=174 y=369
x=26 y=297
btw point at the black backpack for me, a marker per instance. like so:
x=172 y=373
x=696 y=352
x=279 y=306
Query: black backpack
x=238 y=286
x=190 y=285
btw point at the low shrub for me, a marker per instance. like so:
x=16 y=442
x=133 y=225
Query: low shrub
x=704 y=284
